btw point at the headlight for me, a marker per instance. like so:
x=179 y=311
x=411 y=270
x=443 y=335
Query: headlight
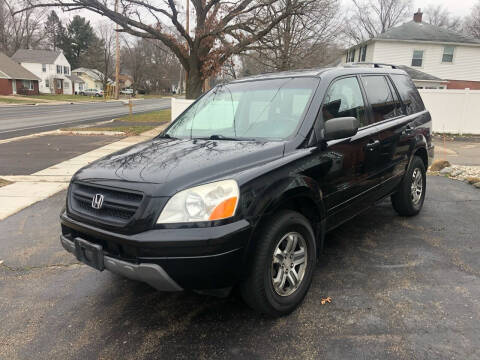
x=207 y=202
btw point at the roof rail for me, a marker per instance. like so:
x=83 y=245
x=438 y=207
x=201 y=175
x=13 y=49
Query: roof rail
x=373 y=64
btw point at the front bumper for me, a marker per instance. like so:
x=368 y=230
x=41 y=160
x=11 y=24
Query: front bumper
x=152 y=274
x=169 y=259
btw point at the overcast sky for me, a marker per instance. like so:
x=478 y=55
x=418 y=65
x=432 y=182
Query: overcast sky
x=456 y=7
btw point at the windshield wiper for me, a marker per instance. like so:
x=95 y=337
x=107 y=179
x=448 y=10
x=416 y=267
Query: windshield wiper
x=223 y=137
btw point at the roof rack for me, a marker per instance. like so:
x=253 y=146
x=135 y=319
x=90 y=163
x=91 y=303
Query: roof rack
x=373 y=64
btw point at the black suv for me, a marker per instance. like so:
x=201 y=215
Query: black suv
x=241 y=188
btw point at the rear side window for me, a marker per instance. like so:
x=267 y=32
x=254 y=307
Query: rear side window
x=380 y=98
x=343 y=99
x=410 y=97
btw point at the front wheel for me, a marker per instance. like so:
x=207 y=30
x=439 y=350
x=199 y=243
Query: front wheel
x=282 y=269
x=408 y=200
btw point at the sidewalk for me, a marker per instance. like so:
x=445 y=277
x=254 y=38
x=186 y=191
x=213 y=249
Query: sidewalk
x=29 y=189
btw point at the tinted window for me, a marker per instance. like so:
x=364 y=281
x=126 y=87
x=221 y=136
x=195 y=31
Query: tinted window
x=410 y=97
x=344 y=98
x=380 y=98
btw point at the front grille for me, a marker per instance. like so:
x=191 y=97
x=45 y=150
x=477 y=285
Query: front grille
x=119 y=206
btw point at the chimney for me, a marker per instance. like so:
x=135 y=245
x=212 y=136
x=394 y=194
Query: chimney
x=417 y=17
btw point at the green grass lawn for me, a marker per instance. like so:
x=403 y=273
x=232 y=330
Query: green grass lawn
x=15 y=101
x=52 y=97
x=122 y=123
x=154 y=116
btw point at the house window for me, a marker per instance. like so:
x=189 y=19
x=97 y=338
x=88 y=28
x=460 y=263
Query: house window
x=59 y=84
x=66 y=70
x=44 y=67
x=351 y=55
x=80 y=86
x=448 y=54
x=417 y=59
x=27 y=84
x=59 y=69
x=66 y=84
x=47 y=83
x=362 y=53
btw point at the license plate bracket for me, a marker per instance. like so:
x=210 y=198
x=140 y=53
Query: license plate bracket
x=89 y=253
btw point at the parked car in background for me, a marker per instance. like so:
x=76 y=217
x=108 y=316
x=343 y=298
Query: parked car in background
x=127 y=92
x=92 y=92
x=241 y=188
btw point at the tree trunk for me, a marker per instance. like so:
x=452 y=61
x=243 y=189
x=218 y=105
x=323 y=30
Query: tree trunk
x=194 y=84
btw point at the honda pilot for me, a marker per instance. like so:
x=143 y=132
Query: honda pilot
x=240 y=190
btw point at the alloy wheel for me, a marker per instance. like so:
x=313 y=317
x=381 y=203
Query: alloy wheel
x=417 y=186
x=289 y=263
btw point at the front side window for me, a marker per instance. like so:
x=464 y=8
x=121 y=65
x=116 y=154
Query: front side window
x=410 y=97
x=417 y=59
x=344 y=99
x=380 y=97
x=448 y=54
x=27 y=84
x=264 y=109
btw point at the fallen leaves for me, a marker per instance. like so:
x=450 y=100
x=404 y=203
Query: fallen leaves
x=326 y=300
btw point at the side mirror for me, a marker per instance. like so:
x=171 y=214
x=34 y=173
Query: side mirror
x=340 y=128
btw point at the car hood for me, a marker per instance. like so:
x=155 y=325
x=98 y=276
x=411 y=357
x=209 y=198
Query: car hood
x=163 y=167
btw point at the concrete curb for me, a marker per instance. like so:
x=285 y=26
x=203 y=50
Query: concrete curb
x=29 y=189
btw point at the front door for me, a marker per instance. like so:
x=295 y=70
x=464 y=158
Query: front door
x=58 y=86
x=14 y=87
x=352 y=175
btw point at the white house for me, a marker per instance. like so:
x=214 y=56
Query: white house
x=431 y=50
x=52 y=67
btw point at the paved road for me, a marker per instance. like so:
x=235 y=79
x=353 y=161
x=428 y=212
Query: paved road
x=401 y=289
x=24 y=120
x=26 y=156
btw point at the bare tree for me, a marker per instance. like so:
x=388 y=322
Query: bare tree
x=24 y=31
x=439 y=16
x=294 y=40
x=370 y=18
x=472 y=22
x=222 y=28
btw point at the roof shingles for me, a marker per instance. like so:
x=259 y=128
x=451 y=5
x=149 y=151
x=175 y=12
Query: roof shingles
x=415 y=31
x=36 y=56
x=13 y=70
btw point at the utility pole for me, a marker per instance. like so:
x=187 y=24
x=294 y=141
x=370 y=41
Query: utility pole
x=188 y=46
x=117 y=56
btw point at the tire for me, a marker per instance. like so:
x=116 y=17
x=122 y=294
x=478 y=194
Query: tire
x=258 y=290
x=404 y=201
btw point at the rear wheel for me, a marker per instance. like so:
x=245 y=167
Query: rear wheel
x=281 y=272
x=408 y=200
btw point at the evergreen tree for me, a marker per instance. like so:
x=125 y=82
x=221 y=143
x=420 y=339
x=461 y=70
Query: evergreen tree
x=79 y=37
x=54 y=31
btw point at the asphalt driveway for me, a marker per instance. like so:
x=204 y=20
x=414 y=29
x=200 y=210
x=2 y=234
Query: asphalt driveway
x=400 y=288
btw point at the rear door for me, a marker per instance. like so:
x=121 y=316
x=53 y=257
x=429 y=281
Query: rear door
x=393 y=131
x=347 y=186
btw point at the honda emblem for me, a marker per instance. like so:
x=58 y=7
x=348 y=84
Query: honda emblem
x=97 y=201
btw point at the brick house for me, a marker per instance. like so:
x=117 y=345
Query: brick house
x=15 y=79
x=442 y=54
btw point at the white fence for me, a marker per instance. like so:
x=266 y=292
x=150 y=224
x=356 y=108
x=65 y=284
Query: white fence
x=178 y=105
x=453 y=111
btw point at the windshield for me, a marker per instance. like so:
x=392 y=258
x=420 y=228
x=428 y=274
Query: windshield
x=269 y=109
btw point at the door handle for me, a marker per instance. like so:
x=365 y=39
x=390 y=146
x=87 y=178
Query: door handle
x=373 y=145
x=408 y=130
